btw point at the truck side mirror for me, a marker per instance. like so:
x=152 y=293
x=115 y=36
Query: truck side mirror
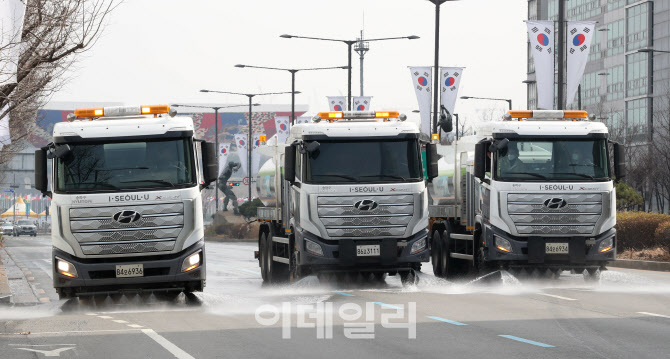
x=431 y=161
x=619 y=161
x=41 y=181
x=289 y=163
x=210 y=167
x=480 y=160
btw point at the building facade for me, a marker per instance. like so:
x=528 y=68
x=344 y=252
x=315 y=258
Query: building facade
x=627 y=76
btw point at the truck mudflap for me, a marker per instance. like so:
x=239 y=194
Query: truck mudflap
x=582 y=252
x=341 y=255
x=161 y=273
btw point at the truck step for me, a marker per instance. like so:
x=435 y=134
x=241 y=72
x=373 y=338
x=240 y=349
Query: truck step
x=463 y=237
x=280 y=259
x=462 y=256
x=280 y=239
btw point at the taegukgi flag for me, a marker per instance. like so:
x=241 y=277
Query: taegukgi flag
x=450 y=80
x=12 y=13
x=421 y=81
x=541 y=36
x=283 y=126
x=224 y=149
x=580 y=34
x=361 y=103
x=255 y=155
x=337 y=103
x=242 y=149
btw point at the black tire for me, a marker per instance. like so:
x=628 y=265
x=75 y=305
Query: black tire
x=262 y=252
x=484 y=267
x=436 y=254
x=276 y=272
x=450 y=266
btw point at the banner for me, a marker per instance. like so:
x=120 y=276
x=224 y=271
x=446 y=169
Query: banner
x=223 y=156
x=421 y=81
x=255 y=156
x=579 y=38
x=241 y=143
x=541 y=36
x=12 y=13
x=283 y=126
x=337 y=103
x=361 y=103
x=450 y=81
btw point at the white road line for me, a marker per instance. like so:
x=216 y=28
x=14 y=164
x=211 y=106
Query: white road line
x=655 y=315
x=91 y=314
x=135 y=326
x=104 y=317
x=46 y=269
x=556 y=296
x=173 y=349
x=119 y=321
x=39 y=345
x=74 y=332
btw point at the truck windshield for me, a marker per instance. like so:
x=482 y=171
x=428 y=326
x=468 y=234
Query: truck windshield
x=364 y=161
x=553 y=160
x=110 y=167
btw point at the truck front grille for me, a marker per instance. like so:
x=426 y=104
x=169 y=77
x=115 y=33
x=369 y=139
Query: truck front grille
x=560 y=214
x=375 y=216
x=156 y=229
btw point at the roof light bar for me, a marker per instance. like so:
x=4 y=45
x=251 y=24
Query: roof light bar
x=358 y=114
x=548 y=114
x=121 y=111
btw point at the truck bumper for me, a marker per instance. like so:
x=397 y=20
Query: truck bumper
x=340 y=255
x=583 y=251
x=161 y=272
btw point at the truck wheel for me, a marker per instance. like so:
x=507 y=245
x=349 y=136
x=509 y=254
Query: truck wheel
x=436 y=254
x=449 y=265
x=276 y=272
x=261 y=256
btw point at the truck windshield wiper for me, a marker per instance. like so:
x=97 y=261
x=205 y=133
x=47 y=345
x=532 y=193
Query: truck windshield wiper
x=336 y=175
x=528 y=173
x=574 y=174
x=391 y=176
x=151 y=181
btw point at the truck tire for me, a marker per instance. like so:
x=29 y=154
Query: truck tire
x=436 y=254
x=450 y=268
x=262 y=244
x=276 y=272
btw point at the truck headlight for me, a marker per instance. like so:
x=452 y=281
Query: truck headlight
x=192 y=262
x=606 y=245
x=503 y=245
x=313 y=248
x=66 y=268
x=418 y=246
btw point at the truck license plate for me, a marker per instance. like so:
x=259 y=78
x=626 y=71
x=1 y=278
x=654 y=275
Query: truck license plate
x=129 y=270
x=556 y=248
x=368 y=250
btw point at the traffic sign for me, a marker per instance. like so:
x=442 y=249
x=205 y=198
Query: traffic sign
x=245 y=181
x=9 y=190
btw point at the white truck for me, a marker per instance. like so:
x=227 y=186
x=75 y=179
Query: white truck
x=126 y=204
x=349 y=196
x=533 y=193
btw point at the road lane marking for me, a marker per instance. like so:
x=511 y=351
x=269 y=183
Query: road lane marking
x=556 y=296
x=119 y=321
x=345 y=294
x=387 y=305
x=47 y=353
x=248 y=270
x=75 y=332
x=527 y=341
x=135 y=326
x=655 y=315
x=39 y=345
x=168 y=345
x=445 y=320
x=104 y=317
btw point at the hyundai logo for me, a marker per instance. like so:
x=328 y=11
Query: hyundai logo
x=126 y=216
x=555 y=203
x=366 y=205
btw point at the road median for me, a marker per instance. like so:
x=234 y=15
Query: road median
x=639 y=264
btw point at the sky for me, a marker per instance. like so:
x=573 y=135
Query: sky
x=165 y=51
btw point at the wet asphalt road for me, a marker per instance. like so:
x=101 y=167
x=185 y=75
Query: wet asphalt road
x=626 y=315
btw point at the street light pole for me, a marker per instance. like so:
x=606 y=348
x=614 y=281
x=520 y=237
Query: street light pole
x=436 y=82
x=508 y=100
x=350 y=43
x=561 y=48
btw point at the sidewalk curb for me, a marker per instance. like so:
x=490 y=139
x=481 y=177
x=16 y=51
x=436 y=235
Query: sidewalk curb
x=5 y=292
x=643 y=265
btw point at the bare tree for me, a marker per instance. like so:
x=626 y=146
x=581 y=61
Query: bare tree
x=54 y=33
